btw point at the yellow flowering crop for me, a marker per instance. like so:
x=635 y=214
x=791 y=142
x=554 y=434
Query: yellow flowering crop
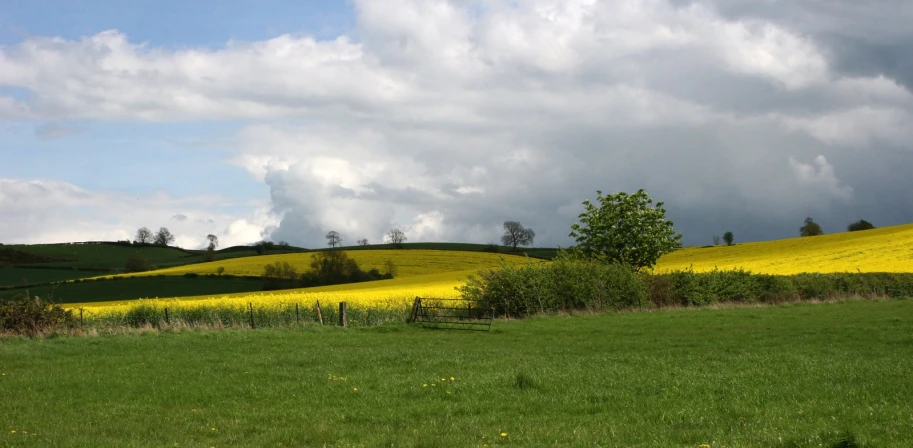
x=384 y=294
x=887 y=249
x=409 y=263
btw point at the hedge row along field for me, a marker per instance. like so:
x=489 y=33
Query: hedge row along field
x=513 y=290
x=888 y=249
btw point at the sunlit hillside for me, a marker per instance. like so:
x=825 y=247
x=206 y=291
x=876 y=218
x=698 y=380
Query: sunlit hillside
x=398 y=292
x=409 y=263
x=425 y=273
x=888 y=249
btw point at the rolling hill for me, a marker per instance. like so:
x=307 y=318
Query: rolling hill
x=887 y=249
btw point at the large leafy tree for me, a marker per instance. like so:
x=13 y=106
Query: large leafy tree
x=624 y=228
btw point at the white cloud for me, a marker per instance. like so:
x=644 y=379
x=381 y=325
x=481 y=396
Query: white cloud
x=448 y=118
x=820 y=177
x=857 y=127
x=45 y=211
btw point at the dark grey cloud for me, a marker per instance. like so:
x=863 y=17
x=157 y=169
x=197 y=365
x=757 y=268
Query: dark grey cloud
x=860 y=38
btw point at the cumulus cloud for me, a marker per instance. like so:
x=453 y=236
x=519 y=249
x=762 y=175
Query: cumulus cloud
x=47 y=211
x=820 y=176
x=448 y=118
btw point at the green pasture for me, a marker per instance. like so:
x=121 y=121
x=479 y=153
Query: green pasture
x=802 y=375
x=105 y=290
x=18 y=275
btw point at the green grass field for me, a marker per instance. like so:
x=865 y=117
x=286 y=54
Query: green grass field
x=138 y=288
x=17 y=275
x=805 y=375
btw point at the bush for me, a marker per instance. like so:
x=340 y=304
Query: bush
x=30 y=316
x=562 y=285
x=859 y=225
x=566 y=285
x=137 y=263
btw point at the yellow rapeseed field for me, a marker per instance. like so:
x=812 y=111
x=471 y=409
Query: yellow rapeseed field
x=409 y=263
x=396 y=293
x=888 y=249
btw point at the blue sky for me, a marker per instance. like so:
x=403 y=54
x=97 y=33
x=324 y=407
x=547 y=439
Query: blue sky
x=285 y=120
x=150 y=155
x=175 y=24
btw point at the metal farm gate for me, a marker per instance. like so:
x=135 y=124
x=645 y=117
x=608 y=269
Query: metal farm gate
x=452 y=314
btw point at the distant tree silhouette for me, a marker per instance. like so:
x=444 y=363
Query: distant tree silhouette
x=517 y=235
x=728 y=238
x=333 y=238
x=811 y=228
x=859 y=225
x=396 y=237
x=163 y=237
x=144 y=235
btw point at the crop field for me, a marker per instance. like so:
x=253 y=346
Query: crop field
x=385 y=297
x=790 y=376
x=888 y=249
x=409 y=263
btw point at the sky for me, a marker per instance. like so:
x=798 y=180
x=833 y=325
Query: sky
x=283 y=120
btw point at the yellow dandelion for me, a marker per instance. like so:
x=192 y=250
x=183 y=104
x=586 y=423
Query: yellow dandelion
x=213 y=429
x=443 y=379
x=355 y=389
x=13 y=432
x=452 y=379
x=503 y=434
x=432 y=384
x=425 y=385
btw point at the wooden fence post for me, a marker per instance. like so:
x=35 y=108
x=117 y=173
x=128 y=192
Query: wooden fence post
x=297 y=316
x=251 y=306
x=343 y=318
x=415 y=308
x=167 y=320
x=319 y=314
x=81 y=322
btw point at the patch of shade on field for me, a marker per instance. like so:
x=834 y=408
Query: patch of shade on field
x=785 y=376
x=888 y=249
x=409 y=263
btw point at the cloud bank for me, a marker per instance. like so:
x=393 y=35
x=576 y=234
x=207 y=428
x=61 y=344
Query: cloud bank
x=446 y=119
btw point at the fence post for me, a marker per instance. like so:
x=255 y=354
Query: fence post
x=297 y=315
x=251 y=306
x=343 y=318
x=81 y=322
x=415 y=307
x=319 y=314
x=167 y=320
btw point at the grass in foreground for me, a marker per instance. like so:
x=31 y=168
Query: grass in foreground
x=789 y=376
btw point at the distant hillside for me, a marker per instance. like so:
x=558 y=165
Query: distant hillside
x=887 y=249
x=546 y=253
